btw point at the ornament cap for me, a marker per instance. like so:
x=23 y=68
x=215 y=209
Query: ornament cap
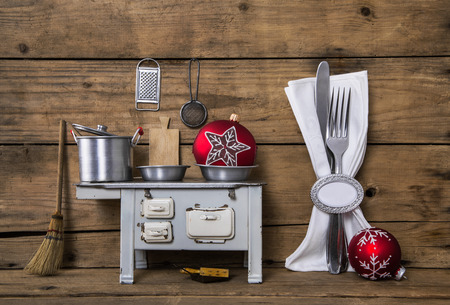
x=235 y=117
x=400 y=273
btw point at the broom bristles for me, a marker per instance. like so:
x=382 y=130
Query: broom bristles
x=48 y=258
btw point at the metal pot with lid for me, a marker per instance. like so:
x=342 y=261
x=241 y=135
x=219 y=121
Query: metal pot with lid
x=104 y=157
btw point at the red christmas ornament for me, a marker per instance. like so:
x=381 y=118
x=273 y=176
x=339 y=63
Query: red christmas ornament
x=375 y=254
x=225 y=143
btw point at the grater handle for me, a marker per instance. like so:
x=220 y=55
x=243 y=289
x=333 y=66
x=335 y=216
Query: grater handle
x=147 y=59
x=147 y=103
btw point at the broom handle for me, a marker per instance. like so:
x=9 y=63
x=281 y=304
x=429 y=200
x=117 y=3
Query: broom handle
x=62 y=133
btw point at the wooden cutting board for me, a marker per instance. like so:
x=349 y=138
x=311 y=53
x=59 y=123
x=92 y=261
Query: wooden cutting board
x=164 y=144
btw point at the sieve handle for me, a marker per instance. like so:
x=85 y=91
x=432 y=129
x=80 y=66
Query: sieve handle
x=198 y=77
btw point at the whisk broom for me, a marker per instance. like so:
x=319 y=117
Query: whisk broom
x=48 y=258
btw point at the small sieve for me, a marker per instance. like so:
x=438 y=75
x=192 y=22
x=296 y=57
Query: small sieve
x=193 y=113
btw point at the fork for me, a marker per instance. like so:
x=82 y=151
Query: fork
x=337 y=142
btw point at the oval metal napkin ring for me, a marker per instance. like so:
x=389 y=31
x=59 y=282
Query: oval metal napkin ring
x=337 y=178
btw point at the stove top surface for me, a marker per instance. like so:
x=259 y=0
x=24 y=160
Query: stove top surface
x=185 y=183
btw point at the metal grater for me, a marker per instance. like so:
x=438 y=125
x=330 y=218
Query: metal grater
x=148 y=86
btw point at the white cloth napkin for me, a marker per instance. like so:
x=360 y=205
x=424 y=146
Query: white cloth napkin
x=311 y=254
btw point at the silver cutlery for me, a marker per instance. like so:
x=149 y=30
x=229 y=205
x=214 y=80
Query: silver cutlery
x=322 y=96
x=322 y=101
x=337 y=143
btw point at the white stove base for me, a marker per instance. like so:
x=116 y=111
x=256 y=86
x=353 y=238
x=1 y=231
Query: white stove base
x=245 y=198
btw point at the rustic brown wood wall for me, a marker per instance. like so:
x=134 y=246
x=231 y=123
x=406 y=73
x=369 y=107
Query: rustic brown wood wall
x=76 y=60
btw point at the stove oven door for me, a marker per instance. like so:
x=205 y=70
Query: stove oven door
x=210 y=225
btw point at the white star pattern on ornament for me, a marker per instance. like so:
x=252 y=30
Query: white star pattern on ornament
x=370 y=236
x=224 y=147
x=374 y=266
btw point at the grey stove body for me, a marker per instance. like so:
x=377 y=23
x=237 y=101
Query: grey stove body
x=186 y=215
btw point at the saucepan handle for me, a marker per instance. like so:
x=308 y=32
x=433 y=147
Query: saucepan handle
x=137 y=136
x=74 y=136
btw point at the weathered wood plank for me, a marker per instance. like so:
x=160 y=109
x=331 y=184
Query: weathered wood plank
x=218 y=299
x=278 y=282
x=402 y=183
x=408 y=97
x=424 y=245
x=222 y=29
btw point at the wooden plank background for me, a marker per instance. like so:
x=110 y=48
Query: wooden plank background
x=408 y=96
x=223 y=29
x=77 y=60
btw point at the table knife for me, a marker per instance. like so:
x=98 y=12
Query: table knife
x=323 y=99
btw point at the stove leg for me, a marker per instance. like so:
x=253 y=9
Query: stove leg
x=140 y=257
x=127 y=230
x=255 y=235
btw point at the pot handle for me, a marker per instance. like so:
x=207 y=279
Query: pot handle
x=137 y=136
x=74 y=136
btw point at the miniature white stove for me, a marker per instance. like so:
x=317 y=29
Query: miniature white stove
x=187 y=215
